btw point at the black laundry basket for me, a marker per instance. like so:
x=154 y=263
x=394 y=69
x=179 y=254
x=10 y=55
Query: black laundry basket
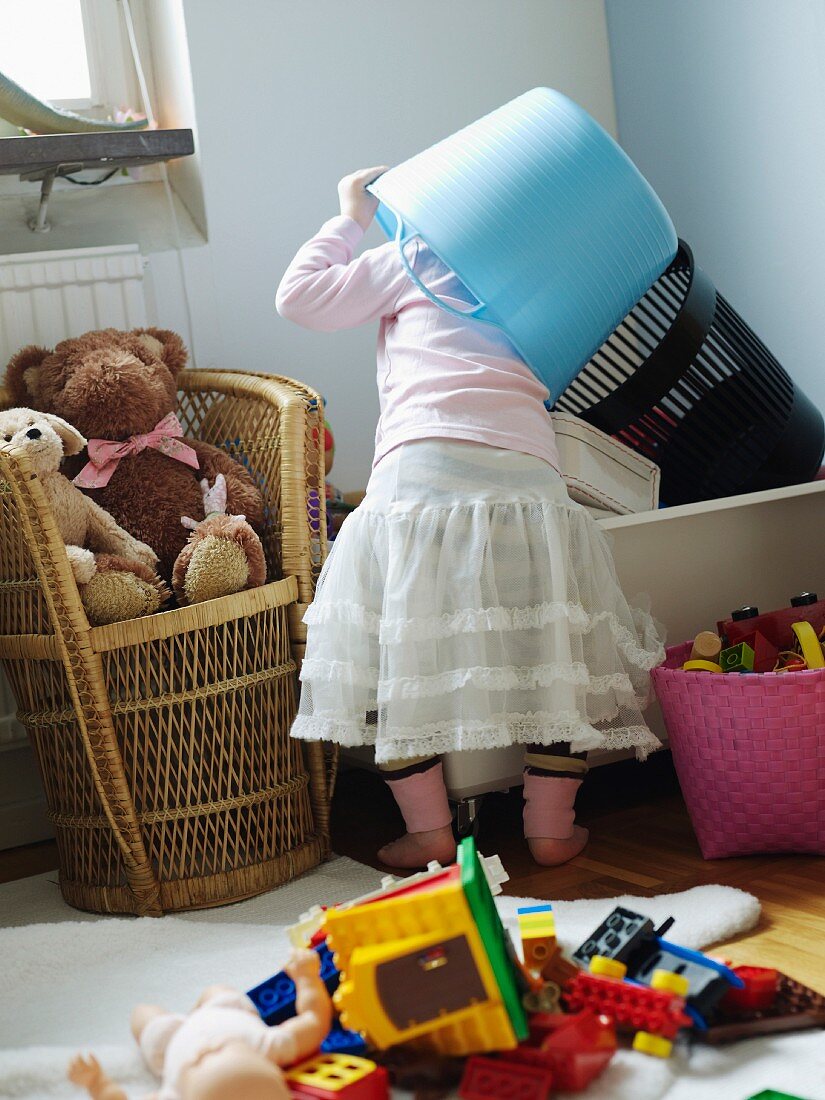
x=684 y=381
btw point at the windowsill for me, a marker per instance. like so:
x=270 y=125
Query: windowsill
x=84 y=217
x=36 y=155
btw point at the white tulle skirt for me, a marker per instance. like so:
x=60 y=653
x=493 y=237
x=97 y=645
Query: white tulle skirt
x=469 y=603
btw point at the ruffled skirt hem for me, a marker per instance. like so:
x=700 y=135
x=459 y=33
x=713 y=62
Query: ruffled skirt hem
x=500 y=731
x=480 y=611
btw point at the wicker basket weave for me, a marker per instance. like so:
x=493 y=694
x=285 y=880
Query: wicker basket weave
x=749 y=751
x=163 y=742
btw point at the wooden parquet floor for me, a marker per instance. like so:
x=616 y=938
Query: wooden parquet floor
x=641 y=843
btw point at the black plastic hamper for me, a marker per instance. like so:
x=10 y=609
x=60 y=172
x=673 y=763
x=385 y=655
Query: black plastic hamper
x=684 y=381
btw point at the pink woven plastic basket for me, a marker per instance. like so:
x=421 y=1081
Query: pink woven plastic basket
x=749 y=751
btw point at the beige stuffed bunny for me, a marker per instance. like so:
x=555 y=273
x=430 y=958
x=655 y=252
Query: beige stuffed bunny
x=116 y=574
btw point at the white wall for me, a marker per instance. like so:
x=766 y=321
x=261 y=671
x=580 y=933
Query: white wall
x=292 y=95
x=721 y=103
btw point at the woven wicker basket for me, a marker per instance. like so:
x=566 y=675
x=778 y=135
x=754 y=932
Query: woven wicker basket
x=749 y=751
x=163 y=742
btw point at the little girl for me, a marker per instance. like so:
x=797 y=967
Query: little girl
x=467 y=603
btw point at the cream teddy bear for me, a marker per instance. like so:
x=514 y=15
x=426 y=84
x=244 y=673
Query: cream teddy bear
x=116 y=574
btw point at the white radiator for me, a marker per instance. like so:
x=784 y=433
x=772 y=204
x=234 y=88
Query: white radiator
x=46 y=297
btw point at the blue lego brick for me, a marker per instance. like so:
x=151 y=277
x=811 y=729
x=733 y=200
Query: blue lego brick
x=342 y=1041
x=329 y=974
x=275 y=998
x=699 y=959
x=534 y=909
x=708 y=981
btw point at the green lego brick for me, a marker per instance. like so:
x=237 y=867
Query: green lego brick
x=772 y=1094
x=737 y=658
x=483 y=907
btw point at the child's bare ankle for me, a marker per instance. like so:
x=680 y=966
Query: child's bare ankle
x=551 y=852
x=418 y=849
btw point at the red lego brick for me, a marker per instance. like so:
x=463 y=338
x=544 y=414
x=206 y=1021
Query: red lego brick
x=795 y=1008
x=634 y=1007
x=761 y=985
x=346 y=1084
x=765 y=653
x=576 y=1048
x=498 y=1079
x=775 y=626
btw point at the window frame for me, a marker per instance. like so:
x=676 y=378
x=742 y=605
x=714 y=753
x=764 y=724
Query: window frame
x=113 y=81
x=112 y=77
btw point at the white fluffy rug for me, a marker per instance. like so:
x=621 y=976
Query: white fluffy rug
x=71 y=978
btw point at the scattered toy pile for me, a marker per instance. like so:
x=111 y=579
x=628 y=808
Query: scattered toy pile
x=428 y=992
x=788 y=640
x=431 y=993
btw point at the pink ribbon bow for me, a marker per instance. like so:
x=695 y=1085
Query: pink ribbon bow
x=105 y=454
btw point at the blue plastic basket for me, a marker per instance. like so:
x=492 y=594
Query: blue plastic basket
x=546 y=221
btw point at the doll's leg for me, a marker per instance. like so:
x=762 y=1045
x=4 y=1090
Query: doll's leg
x=213 y=991
x=552 y=777
x=153 y=1028
x=418 y=788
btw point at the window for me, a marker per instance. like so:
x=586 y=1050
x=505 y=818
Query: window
x=73 y=53
x=43 y=48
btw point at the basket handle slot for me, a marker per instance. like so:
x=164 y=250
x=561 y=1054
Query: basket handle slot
x=403 y=236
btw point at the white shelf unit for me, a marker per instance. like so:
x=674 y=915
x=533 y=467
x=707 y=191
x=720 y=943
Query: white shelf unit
x=696 y=562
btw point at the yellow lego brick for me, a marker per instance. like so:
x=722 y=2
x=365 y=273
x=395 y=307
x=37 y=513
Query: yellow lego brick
x=384 y=948
x=542 y=916
x=538 y=928
x=652 y=1044
x=537 y=924
x=396 y=919
x=488 y=1027
x=535 y=936
x=333 y=1072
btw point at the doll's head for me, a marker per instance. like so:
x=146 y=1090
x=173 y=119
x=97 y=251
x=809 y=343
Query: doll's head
x=44 y=438
x=233 y=1071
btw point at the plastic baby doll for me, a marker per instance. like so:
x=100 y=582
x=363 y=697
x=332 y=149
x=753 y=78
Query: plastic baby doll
x=222 y=1050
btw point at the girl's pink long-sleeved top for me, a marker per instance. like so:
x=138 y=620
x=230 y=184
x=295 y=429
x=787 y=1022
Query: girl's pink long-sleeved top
x=439 y=376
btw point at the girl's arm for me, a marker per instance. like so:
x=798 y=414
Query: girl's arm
x=324 y=288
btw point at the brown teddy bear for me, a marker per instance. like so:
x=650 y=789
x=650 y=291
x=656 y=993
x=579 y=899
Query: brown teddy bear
x=115 y=573
x=119 y=390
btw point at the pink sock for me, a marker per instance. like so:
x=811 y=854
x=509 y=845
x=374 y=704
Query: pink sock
x=422 y=799
x=548 y=806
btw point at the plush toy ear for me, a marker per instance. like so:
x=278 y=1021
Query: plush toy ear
x=73 y=441
x=168 y=345
x=23 y=375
